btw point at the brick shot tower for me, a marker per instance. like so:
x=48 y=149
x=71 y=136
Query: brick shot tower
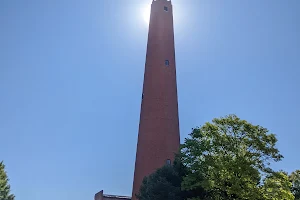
x=158 y=137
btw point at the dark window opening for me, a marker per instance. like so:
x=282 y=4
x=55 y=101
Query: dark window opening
x=167 y=63
x=142 y=96
x=166 y=8
x=168 y=162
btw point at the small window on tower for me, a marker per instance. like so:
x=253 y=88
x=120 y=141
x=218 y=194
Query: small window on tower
x=168 y=162
x=167 y=63
x=166 y=8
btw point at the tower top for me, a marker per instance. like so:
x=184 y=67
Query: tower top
x=161 y=0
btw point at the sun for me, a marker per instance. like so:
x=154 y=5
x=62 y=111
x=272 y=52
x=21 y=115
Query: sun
x=146 y=13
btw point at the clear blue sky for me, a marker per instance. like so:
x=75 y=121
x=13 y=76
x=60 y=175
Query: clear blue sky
x=71 y=74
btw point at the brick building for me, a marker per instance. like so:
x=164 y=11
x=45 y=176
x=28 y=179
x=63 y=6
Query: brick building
x=101 y=196
x=158 y=136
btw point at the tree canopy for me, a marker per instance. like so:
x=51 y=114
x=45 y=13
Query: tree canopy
x=295 y=180
x=277 y=187
x=4 y=186
x=226 y=159
x=229 y=158
x=164 y=184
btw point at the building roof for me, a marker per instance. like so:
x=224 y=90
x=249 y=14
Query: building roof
x=116 y=197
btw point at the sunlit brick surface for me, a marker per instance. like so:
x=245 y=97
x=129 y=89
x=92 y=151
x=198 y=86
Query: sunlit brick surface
x=158 y=138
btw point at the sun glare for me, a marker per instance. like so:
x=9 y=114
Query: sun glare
x=146 y=13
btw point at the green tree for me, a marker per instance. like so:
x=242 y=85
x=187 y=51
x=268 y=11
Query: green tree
x=164 y=184
x=295 y=180
x=277 y=187
x=4 y=186
x=228 y=158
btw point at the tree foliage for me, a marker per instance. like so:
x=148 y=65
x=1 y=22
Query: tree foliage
x=295 y=180
x=164 y=184
x=277 y=187
x=229 y=158
x=4 y=186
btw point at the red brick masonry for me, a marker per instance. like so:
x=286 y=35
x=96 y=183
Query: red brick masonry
x=158 y=137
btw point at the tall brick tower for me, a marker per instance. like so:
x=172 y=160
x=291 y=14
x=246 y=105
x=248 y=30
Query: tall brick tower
x=158 y=138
